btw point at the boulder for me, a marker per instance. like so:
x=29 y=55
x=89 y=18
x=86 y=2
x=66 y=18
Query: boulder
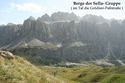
x=6 y=54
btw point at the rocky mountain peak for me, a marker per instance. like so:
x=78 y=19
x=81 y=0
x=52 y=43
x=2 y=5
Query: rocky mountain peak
x=31 y=18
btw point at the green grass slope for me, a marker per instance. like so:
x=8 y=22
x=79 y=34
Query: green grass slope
x=88 y=74
x=18 y=70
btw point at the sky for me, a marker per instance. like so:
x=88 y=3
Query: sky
x=16 y=11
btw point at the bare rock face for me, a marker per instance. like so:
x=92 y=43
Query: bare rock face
x=79 y=38
x=7 y=54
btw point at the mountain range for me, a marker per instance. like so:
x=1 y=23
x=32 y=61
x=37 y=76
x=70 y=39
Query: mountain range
x=65 y=37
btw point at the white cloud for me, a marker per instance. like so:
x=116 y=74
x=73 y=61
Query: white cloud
x=31 y=7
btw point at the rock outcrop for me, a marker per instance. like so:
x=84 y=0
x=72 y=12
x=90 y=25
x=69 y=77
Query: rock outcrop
x=6 y=54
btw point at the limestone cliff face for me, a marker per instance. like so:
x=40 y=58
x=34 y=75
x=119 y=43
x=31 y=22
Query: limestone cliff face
x=66 y=29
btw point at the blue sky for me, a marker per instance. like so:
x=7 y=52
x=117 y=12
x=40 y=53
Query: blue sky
x=16 y=11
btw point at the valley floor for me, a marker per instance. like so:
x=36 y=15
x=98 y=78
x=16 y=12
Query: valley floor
x=87 y=74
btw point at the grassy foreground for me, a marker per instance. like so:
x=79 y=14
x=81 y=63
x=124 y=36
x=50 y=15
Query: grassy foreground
x=88 y=74
x=18 y=70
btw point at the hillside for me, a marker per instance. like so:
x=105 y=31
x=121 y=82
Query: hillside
x=88 y=73
x=14 y=69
